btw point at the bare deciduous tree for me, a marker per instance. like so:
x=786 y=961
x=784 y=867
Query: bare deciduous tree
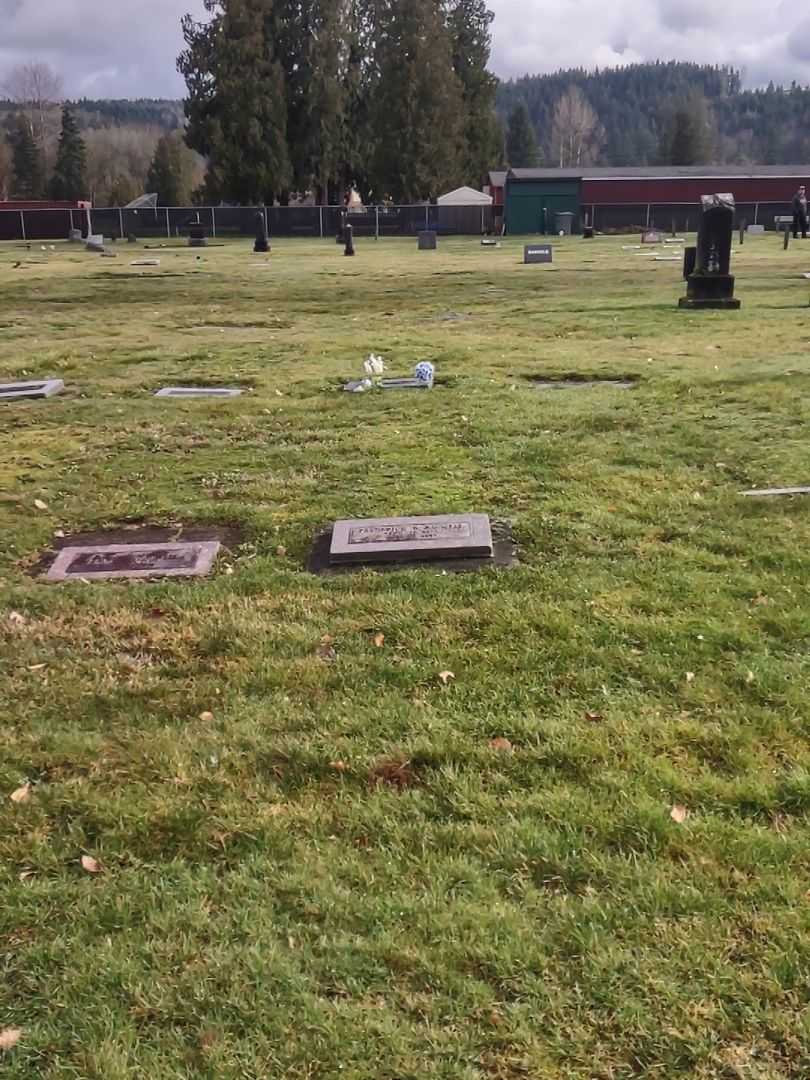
x=577 y=136
x=118 y=160
x=38 y=90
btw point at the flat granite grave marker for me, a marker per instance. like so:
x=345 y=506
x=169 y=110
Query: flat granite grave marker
x=537 y=253
x=42 y=388
x=404 y=383
x=198 y=391
x=134 y=561
x=768 y=492
x=376 y=540
x=427 y=240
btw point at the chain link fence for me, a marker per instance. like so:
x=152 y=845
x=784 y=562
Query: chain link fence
x=324 y=221
x=240 y=221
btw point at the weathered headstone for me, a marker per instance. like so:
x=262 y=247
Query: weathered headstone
x=197 y=236
x=41 y=388
x=711 y=285
x=74 y=236
x=427 y=240
x=376 y=540
x=198 y=391
x=652 y=236
x=134 y=561
x=755 y=230
x=348 y=233
x=689 y=262
x=262 y=245
x=489 y=241
x=538 y=253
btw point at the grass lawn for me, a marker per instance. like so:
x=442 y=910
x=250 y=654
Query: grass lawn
x=318 y=858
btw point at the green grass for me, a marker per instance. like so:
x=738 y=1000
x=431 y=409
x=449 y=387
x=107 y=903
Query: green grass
x=319 y=869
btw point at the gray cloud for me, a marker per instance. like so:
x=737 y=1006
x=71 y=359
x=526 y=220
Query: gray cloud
x=767 y=41
x=109 y=48
x=102 y=48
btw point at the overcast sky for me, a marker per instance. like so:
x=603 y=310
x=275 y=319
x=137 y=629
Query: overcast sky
x=127 y=48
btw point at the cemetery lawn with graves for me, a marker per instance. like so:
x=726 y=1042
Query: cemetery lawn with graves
x=543 y=822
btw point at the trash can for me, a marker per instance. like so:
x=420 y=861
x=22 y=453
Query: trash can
x=564 y=223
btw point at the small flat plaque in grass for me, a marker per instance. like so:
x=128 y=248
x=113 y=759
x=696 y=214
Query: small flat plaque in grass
x=198 y=391
x=134 y=561
x=406 y=383
x=41 y=388
x=538 y=253
x=447 y=536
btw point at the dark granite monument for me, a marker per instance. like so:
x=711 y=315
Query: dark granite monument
x=427 y=240
x=689 y=262
x=711 y=285
x=348 y=233
x=134 y=561
x=538 y=253
x=197 y=236
x=408 y=539
x=21 y=391
x=262 y=245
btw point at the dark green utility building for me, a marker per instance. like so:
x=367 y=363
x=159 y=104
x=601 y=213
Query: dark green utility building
x=535 y=196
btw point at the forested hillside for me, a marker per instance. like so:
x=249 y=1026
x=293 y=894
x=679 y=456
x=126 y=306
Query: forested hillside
x=634 y=108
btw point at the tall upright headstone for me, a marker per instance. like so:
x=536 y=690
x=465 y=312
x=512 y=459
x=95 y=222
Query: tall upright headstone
x=711 y=284
x=262 y=245
x=348 y=232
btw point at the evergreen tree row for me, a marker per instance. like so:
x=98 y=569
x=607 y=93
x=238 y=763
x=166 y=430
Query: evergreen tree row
x=391 y=97
x=669 y=113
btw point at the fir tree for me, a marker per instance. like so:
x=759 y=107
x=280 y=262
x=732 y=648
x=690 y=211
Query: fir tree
x=521 y=142
x=686 y=138
x=165 y=176
x=469 y=23
x=28 y=165
x=418 y=117
x=236 y=105
x=69 y=180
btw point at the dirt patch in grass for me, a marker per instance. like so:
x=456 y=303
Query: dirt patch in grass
x=580 y=381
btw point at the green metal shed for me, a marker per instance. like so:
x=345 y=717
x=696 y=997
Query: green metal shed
x=534 y=196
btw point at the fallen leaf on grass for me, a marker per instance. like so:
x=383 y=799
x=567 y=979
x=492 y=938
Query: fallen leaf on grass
x=24 y=875
x=679 y=813
x=690 y=676
x=379 y=640
x=338 y=766
x=446 y=676
x=22 y=794
x=397 y=774
x=37 y=667
x=91 y=865
x=501 y=744
x=206 y=717
x=749 y=678
x=281 y=551
x=326 y=650
x=9 y=1037
x=16 y=619
x=594 y=717
x=40 y=505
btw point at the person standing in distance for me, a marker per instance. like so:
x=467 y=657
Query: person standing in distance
x=800 y=213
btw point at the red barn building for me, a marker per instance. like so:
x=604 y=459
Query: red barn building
x=626 y=199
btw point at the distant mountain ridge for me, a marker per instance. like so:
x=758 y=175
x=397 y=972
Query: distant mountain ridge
x=769 y=126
